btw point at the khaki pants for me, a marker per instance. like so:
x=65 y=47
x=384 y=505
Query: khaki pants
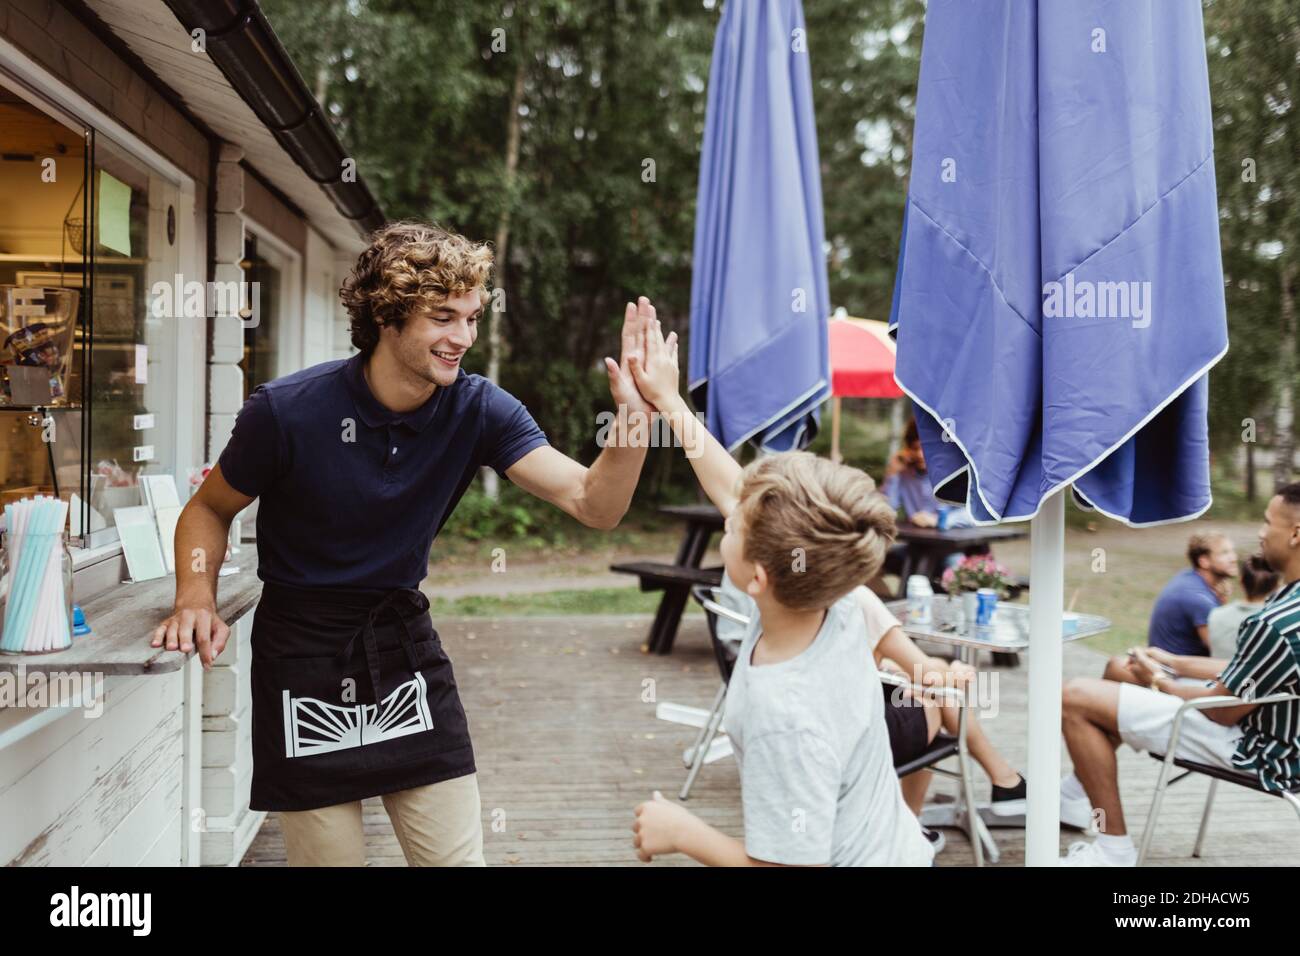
x=437 y=825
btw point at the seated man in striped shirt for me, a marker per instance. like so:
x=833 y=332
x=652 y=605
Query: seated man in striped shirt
x=1097 y=715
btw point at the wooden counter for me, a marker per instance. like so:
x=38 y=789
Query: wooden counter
x=122 y=618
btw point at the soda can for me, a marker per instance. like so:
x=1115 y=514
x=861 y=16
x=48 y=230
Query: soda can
x=986 y=607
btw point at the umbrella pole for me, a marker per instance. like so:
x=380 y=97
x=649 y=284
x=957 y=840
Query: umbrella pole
x=1046 y=611
x=835 y=428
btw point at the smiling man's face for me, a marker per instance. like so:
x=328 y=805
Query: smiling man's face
x=432 y=343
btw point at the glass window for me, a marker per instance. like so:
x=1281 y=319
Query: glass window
x=132 y=417
x=44 y=165
x=88 y=249
x=264 y=273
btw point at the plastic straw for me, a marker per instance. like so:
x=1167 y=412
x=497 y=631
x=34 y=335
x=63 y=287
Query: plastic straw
x=35 y=615
x=29 y=523
x=13 y=611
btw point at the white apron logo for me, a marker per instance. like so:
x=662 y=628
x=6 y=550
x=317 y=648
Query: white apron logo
x=102 y=909
x=1086 y=299
x=313 y=726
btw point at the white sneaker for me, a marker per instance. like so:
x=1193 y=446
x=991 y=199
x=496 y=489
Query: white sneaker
x=1088 y=854
x=1076 y=813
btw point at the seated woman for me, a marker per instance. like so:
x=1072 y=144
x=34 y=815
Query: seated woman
x=907 y=486
x=1258 y=581
x=912 y=728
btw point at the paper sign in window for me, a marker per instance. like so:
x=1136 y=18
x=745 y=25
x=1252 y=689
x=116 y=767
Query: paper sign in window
x=114 y=214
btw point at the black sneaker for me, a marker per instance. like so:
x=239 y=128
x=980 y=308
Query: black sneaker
x=1008 y=801
x=937 y=840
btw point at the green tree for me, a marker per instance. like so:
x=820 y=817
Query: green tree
x=1254 y=48
x=865 y=61
x=605 y=100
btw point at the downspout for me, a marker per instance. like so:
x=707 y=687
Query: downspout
x=240 y=41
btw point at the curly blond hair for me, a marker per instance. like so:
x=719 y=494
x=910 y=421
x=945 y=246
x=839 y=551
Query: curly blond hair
x=410 y=265
x=818 y=528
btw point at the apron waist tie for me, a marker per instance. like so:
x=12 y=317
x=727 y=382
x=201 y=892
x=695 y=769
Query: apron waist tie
x=366 y=632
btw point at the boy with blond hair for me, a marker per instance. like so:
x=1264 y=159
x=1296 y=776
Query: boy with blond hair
x=805 y=710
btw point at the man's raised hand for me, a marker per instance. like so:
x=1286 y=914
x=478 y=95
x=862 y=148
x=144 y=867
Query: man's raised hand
x=655 y=369
x=622 y=386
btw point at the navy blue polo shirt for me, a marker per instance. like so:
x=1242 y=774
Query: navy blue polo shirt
x=353 y=494
x=1183 y=606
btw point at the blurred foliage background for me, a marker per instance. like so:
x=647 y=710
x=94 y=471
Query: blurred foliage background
x=430 y=94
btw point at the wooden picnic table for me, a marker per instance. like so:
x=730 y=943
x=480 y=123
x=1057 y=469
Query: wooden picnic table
x=676 y=579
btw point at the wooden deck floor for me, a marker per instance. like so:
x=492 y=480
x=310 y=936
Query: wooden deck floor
x=567 y=744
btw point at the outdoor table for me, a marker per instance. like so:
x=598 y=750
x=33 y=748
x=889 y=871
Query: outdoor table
x=929 y=548
x=701 y=522
x=677 y=578
x=1008 y=633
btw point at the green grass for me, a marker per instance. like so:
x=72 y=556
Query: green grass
x=595 y=601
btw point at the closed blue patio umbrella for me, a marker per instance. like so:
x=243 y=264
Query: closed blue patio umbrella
x=759 y=301
x=1059 y=297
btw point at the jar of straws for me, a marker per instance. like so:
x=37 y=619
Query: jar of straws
x=35 y=577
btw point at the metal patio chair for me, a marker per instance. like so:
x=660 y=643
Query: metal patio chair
x=1239 y=777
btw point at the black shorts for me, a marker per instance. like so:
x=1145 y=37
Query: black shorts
x=905 y=717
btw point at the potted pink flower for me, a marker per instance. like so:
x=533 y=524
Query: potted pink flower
x=973 y=572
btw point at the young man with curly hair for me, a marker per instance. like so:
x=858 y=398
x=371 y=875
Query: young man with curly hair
x=359 y=462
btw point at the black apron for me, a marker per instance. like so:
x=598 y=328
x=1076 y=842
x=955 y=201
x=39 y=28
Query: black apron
x=353 y=697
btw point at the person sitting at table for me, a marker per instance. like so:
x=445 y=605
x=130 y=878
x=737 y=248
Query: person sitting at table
x=1180 y=617
x=1179 y=623
x=1258 y=581
x=1098 y=715
x=907 y=486
x=913 y=728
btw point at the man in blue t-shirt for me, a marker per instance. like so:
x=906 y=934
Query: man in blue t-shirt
x=1180 y=616
x=357 y=463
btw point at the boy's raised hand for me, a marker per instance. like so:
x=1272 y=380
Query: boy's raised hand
x=655 y=368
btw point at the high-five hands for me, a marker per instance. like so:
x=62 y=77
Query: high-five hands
x=654 y=367
x=636 y=320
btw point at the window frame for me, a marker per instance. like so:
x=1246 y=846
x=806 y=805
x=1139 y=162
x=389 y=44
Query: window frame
x=187 y=436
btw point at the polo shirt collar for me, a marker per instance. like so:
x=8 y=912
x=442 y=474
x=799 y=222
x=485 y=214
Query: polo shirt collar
x=1287 y=592
x=376 y=415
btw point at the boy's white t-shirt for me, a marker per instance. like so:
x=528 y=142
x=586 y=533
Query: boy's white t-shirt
x=816 y=771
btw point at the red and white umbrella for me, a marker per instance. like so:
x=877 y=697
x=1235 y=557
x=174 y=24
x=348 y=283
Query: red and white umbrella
x=862 y=366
